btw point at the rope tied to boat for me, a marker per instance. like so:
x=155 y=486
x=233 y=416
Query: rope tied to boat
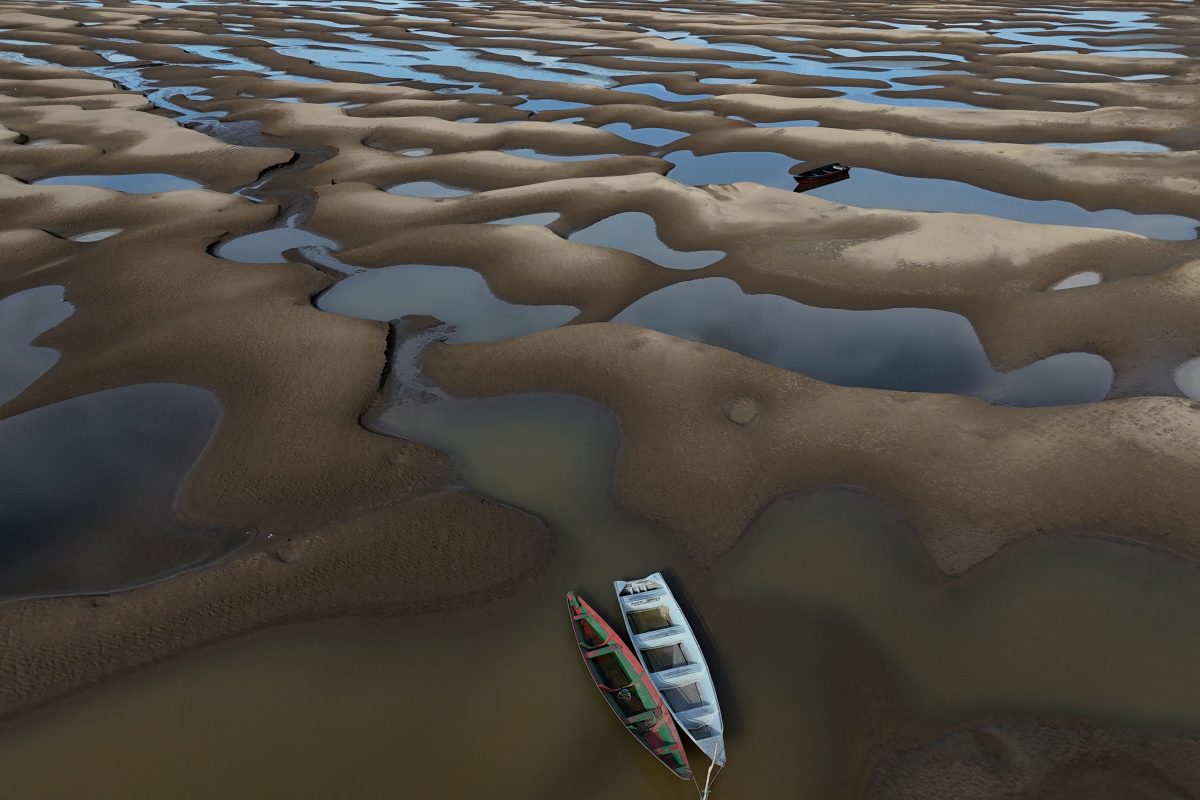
x=709 y=779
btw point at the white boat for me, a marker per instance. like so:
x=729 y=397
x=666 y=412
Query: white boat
x=664 y=642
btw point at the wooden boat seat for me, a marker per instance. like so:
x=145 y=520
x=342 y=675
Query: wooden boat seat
x=661 y=633
x=599 y=651
x=670 y=677
x=646 y=716
x=697 y=717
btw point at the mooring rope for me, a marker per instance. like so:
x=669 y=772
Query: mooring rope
x=709 y=779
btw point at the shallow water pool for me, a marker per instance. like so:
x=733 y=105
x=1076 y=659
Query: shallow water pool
x=905 y=349
x=23 y=317
x=90 y=491
x=133 y=183
x=428 y=189
x=455 y=295
x=268 y=247
x=870 y=188
x=636 y=232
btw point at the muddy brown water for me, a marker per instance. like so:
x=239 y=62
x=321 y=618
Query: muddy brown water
x=493 y=702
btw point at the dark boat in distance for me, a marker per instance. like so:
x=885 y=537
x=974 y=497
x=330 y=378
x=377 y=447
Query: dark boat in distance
x=830 y=173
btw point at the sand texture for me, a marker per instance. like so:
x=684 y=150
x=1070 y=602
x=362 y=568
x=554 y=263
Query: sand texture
x=383 y=561
x=738 y=433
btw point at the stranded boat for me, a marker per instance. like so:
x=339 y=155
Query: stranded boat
x=626 y=686
x=830 y=173
x=667 y=648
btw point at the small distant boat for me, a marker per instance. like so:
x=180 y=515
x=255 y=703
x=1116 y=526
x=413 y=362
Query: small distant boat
x=665 y=644
x=626 y=686
x=830 y=173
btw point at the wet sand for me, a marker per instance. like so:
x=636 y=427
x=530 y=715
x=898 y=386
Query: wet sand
x=363 y=466
x=958 y=483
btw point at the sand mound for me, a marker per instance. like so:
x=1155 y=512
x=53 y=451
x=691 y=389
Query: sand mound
x=439 y=551
x=972 y=477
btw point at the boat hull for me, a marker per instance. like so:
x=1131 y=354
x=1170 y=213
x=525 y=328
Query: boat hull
x=667 y=648
x=805 y=184
x=625 y=686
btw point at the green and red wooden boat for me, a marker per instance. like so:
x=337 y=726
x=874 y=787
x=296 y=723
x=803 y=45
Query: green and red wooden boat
x=626 y=687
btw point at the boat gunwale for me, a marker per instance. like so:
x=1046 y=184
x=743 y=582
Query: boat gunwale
x=614 y=643
x=667 y=598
